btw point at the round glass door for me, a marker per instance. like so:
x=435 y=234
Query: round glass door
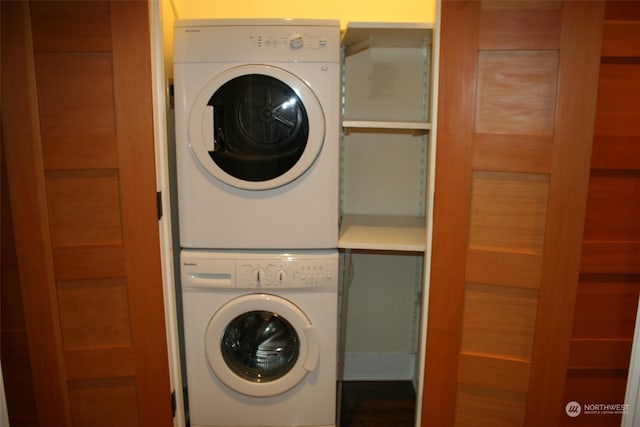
x=260 y=127
x=261 y=345
x=256 y=127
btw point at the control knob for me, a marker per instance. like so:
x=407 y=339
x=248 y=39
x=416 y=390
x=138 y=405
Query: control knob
x=296 y=41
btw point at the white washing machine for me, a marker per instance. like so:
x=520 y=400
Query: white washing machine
x=257 y=133
x=260 y=337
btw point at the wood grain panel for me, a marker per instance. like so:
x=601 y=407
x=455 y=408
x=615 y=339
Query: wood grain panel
x=622 y=10
x=576 y=103
x=603 y=386
x=11 y=314
x=509 y=29
x=21 y=138
x=67 y=102
x=616 y=152
x=600 y=353
x=84 y=209
x=613 y=206
x=71 y=25
x=503 y=268
x=104 y=403
x=75 y=95
x=508 y=211
x=618 y=93
x=621 y=39
x=606 y=310
x=610 y=257
x=451 y=214
x=520 y=4
x=482 y=407
x=516 y=92
x=94 y=313
x=499 y=320
x=134 y=117
x=512 y=153
x=101 y=363
x=494 y=372
x=89 y=262
x=18 y=376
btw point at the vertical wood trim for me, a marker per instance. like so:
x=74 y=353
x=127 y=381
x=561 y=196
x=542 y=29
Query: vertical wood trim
x=134 y=118
x=575 y=116
x=20 y=125
x=451 y=214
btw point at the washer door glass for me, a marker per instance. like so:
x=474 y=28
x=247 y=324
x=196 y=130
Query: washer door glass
x=256 y=127
x=260 y=346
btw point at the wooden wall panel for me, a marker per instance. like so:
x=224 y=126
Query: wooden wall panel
x=618 y=92
x=511 y=188
x=620 y=152
x=84 y=209
x=606 y=302
x=516 y=92
x=507 y=29
x=600 y=353
x=89 y=262
x=118 y=362
x=75 y=97
x=605 y=309
x=21 y=139
x=503 y=268
x=613 y=206
x=622 y=10
x=518 y=5
x=481 y=407
x=508 y=211
x=499 y=320
x=620 y=39
x=501 y=373
x=71 y=26
x=595 y=387
x=530 y=154
x=104 y=403
x=83 y=182
x=610 y=257
x=94 y=313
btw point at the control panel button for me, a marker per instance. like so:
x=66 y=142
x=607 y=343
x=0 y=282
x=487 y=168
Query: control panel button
x=296 y=41
x=259 y=275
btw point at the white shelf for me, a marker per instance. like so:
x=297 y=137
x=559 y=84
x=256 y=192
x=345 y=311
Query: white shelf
x=363 y=35
x=382 y=232
x=415 y=127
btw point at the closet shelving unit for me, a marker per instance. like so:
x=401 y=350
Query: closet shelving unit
x=386 y=102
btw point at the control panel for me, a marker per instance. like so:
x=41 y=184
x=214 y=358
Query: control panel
x=234 y=270
x=284 y=273
x=293 y=41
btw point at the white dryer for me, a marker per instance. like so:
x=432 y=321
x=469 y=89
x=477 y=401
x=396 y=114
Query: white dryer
x=260 y=337
x=257 y=133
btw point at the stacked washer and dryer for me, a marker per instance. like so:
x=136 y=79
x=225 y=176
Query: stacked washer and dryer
x=257 y=129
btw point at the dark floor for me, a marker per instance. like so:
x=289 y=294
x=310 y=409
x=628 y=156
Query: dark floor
x=378 y=404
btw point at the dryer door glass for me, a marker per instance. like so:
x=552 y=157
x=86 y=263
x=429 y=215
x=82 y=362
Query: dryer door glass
x=260 y=346
x=260 y=127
